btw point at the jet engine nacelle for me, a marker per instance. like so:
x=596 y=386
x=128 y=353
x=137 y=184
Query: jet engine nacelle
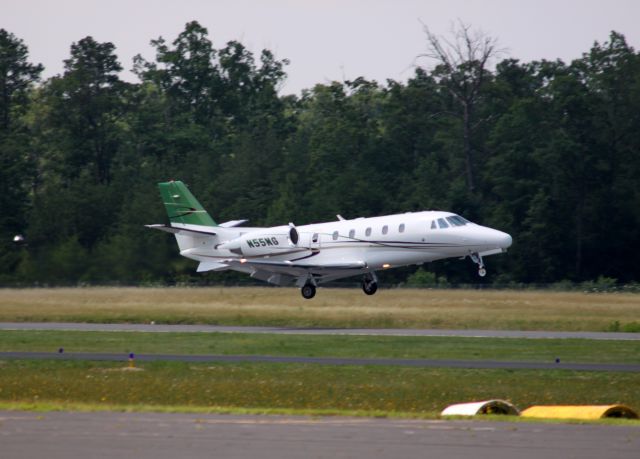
x=267 y=241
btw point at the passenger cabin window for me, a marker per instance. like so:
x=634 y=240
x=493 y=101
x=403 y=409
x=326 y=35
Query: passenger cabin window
x=401 y=228
x=385 y=229
x=314 y=238
x=335 y=236
x=352 y=233
x=368 y=232
x=433 y=224
x=442 y=223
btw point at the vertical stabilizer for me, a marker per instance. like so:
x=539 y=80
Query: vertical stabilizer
x=182 y=207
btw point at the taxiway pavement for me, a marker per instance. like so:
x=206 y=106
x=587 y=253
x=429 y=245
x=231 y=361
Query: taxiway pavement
x=60 y=435
x=160 y=328
x=423 y=363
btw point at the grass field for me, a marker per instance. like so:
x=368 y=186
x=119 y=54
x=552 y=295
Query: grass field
x=313 y=389
x=544 y=350
x=308 y=388
x=410 y=308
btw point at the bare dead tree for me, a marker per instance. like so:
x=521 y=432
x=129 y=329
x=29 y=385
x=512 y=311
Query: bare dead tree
x=461 y=68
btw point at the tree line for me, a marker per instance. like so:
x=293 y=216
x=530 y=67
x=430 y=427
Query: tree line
x=546 y=151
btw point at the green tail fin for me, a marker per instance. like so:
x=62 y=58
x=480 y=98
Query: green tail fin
x=182 y=206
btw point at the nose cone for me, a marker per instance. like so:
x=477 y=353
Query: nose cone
x=504 y=240
x=487 y=239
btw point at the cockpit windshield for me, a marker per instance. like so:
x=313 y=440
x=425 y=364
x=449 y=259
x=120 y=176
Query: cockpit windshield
x=457 y=220
x=449 y=222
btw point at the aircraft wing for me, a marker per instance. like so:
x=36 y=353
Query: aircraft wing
x=293 y=268
x=211 y=266
x=284 y=272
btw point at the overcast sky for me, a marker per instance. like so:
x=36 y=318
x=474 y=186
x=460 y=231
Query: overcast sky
x=325 y=40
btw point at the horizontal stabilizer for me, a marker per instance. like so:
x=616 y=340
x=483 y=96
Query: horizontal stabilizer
x=232 y=223
x=211 y=266
x=183 y=231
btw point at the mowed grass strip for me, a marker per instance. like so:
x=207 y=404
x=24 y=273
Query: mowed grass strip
x=398 y=308
x=401 y=347
x=303 y=387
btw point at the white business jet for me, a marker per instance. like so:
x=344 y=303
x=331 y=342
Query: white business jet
x=310 y=255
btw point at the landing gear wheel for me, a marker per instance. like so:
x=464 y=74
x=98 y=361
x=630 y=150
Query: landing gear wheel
x=308 y=291
x=369 y=287
x=477 y=259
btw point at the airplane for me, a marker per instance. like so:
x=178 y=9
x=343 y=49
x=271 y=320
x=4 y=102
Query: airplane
x=310 y=255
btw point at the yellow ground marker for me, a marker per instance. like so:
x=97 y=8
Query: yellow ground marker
x=579 y=412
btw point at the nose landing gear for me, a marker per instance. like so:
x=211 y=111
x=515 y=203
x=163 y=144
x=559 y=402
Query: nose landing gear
x=477 y=259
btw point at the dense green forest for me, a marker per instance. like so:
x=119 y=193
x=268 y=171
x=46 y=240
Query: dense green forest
x=546 y=151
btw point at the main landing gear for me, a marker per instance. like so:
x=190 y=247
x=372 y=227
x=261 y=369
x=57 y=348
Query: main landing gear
x=308 y=291
x=369 y=283
x=477 y=259
x=369 y=286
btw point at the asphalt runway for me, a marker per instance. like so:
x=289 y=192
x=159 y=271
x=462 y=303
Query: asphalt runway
x=423 y=363
x=318 y=331
x=60 y=435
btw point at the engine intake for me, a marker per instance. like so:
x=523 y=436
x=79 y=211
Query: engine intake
x=294 y=237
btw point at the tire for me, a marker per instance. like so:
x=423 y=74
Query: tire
x=308 y=291
x=370 y=288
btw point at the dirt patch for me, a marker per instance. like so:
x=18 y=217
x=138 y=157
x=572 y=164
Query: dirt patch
x=125 y=369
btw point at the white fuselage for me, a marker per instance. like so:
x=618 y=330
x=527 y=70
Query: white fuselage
x=342 y=248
